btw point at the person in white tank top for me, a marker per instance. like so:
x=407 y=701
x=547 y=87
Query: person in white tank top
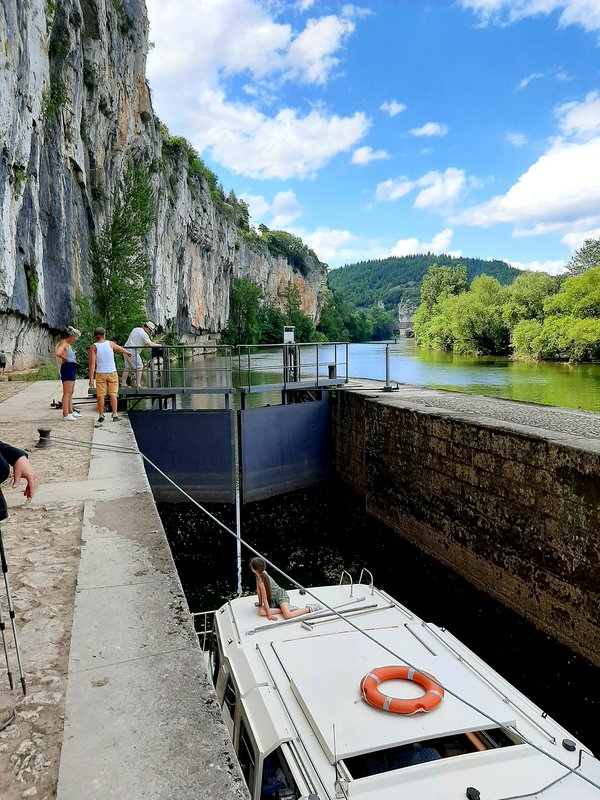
x=102 y=363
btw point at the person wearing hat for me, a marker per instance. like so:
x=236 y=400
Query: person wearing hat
x=136 y=341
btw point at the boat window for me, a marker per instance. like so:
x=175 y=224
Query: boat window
x=277 y=781
x=230 y=697
x=430 y=750
x=247 y=757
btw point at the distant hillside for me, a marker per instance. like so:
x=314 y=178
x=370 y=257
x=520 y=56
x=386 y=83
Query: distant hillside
x=391 y=280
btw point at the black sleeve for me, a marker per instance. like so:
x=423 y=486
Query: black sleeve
x=10 y=454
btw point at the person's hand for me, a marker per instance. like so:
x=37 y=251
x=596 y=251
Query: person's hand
x=22 y=471
x=272 y=618
x=127 y=353
x=257 y=605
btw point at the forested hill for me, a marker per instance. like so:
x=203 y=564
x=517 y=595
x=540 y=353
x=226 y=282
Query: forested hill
x=391 y=280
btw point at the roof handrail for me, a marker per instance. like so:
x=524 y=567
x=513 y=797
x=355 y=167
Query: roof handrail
x=345 y=572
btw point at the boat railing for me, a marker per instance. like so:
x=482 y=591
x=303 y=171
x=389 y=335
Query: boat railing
x=204 y=625
x=345 y=572
x=368 y=572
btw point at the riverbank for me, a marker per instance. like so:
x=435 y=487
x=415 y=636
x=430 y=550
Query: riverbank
x=118 y=700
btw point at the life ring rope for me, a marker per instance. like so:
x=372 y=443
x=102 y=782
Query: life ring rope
x=369 y=688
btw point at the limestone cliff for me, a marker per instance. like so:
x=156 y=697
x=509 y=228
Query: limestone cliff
x=75 y=109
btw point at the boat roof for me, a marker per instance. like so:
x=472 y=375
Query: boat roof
x=299 y=681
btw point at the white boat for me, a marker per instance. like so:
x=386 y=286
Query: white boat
x=290 y=693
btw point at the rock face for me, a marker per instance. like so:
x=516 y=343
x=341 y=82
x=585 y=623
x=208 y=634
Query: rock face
x=75 y=110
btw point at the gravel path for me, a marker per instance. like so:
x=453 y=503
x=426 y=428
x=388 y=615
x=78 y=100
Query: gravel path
x=42 y=545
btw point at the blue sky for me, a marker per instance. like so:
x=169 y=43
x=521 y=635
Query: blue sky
x=393 y=127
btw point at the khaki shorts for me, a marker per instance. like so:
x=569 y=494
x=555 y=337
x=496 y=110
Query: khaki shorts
x=106 y=383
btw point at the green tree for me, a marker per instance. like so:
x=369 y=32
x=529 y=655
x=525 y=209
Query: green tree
x=525 y=297
x=587 y=257
x=270 y=321
x=579 y=296
x=120 y=270
x=440 y=281
x=242 y=326
x=477 y=322
x=332 y=322
x=381 y=323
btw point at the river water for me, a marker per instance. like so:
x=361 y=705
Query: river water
x=547 y=383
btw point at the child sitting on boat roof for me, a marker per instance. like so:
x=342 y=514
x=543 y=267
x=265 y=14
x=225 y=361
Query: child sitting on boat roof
x=272 y=599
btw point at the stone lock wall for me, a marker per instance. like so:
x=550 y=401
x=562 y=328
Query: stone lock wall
x=516 y=514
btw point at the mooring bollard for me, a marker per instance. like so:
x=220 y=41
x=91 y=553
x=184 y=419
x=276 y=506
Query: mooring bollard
x=44 y=438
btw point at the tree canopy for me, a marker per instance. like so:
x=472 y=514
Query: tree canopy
x=587 y=257
x=538 y=316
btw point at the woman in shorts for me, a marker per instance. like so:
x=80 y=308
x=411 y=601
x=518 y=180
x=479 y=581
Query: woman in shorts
x=66 y=355
x=272 y=599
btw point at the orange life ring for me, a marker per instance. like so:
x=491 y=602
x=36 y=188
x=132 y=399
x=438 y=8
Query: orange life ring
x=369 y=688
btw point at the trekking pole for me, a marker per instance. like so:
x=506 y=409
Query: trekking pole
x=2 y=628
x=11 y=613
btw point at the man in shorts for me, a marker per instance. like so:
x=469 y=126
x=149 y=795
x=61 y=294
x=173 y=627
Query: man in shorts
x=137 y=340
x=102 y=362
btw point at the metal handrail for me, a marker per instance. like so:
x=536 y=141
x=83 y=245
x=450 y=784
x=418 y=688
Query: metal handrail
x=206 y=619
x=368 y=571
x=345 y=572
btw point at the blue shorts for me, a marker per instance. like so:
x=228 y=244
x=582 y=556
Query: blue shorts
x=67 y=371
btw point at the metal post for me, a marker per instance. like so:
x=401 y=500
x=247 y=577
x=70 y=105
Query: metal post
x=11 y=614
x=388 y=386
x=238 y=500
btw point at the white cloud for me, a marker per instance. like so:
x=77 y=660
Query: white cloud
x=364 y=155
x=575 y=239
x=285 y=209
x=304 y=5
x=440 y=188
x=437 y=189
x=237 y=36
x=230 y=36
x=280 y=213
x=257 y=206
x=551 y=267
x=517 y=139
x=393 y=189
x=561 y=191
x=430 y=129
x=360 y=12
x=584 y=13
x=336 y=247
x=310 y=55
x=581 y=120
x=243 y=37
x=287 y=145
x=392 y=107
x=439 y=244
x=535 y=76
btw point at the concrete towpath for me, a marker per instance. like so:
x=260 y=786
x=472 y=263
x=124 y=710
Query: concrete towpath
x=119 y=703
